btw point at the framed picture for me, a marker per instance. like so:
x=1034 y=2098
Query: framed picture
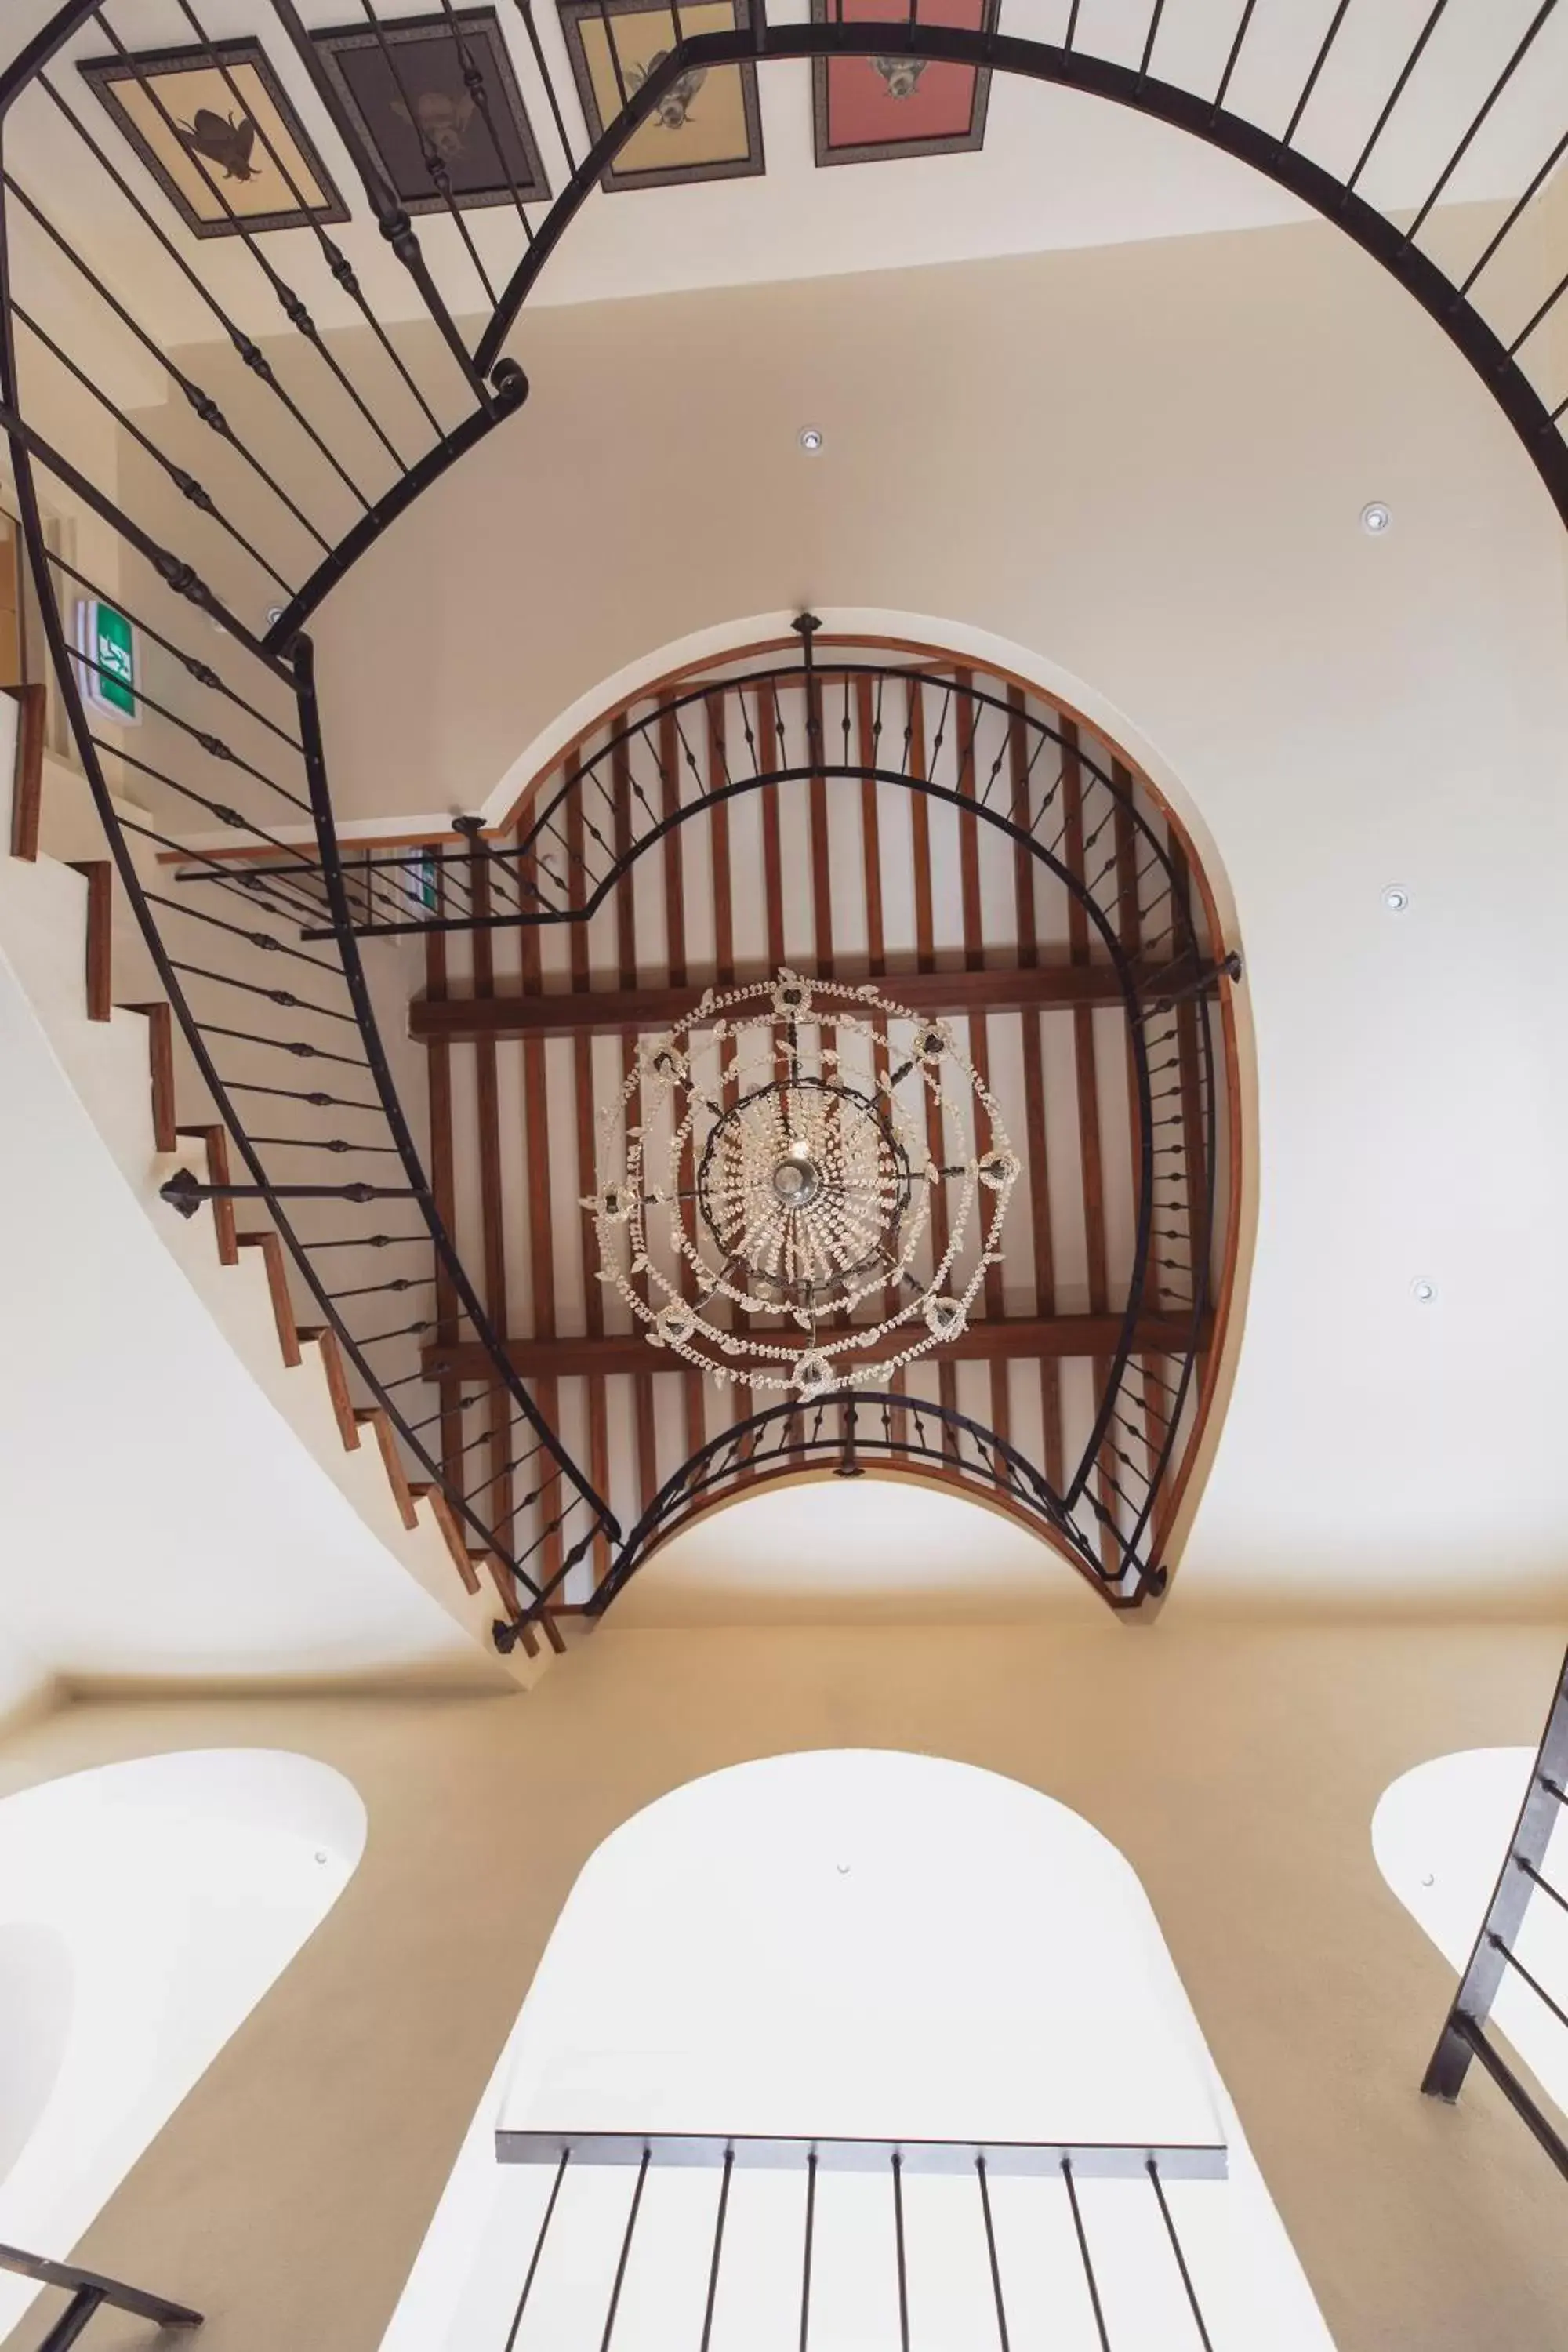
x=878 y=110
x=218 y=133
x=708 y=125
x=405 y=83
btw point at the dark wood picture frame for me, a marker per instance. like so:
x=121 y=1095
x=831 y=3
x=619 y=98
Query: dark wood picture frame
x=488 y=142
x=891 y=151
x=597 y=14
x=161 y=69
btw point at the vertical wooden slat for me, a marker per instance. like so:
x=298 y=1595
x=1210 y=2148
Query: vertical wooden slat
x=1035 y=1089
x=925 y=960
x=979 y=1026
x=27 y=795
x=718 y=843
x=675 y=948
x=920 y=830
x=1087 y=1072
x=871 y=868
x=671 y=850
x=443 y=1184
x=553 y=1496
x=497 y=1496
x=587 y=1182
x=645 y=1436
x=772 y=847
x=161 y=1072
x=821 y=851
x=99 y=875
x=1129 y=936
x=870 y=832
x=740 y=1400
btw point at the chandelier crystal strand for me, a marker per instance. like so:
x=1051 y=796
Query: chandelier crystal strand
x=799 y=1187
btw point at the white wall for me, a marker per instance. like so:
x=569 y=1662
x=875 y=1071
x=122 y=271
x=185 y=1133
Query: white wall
x=1141 y=472
x=145 y=1908
x=1440 y=1834
x=859 y=1945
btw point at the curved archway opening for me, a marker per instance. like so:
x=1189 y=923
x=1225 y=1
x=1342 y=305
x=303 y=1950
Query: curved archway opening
x=866 y=1950
x=897 y=827
x=145 y=1908
x=1440 y=1834
x=814 y=1547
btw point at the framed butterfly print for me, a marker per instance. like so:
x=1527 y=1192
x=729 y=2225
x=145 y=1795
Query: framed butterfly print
x=218 y=133
x=879 y=110
x=707 y=126
x=406 y=82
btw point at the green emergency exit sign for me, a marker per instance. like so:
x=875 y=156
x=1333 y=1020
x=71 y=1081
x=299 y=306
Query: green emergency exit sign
x=107 y=643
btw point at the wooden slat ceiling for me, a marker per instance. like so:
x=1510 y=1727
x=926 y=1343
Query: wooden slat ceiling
x=529 y=1032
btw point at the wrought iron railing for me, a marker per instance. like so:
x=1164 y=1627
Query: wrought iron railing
x=1522 y=1885
x=957 y=2183
x=337 y=373
x=91 y=2292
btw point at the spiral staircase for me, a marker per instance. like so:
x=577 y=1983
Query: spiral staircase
x=331 y=374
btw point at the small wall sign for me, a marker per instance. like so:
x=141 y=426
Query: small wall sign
x=106 y=670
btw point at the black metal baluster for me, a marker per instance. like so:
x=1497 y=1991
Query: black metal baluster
x=898 y=2162
x=439 y=177
x=288 y=301
x=1089 y=2279
x=625 y=2254
x=718 y=2249
x=336 y=260
x=1153 y=2171
x=1395 y=94
x=991 y=2253
x=395 y=226
x=204 y=406
x=538 y=2251
x=806 y=2255
x=474 y=83
x=1532 y=30
x=185 y=481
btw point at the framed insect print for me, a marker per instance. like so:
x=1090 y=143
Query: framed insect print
x=707 y=126
x=406 y=84
x=216 y=129
x=876 y=109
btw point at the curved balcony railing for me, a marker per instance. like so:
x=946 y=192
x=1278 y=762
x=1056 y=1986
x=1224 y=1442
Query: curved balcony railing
x=845 y=724
x=332 y=392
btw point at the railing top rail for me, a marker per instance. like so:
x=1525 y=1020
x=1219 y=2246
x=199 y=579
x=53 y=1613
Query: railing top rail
x=765 y=2152
x=135 y=2299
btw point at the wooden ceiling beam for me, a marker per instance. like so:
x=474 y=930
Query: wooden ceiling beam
x=610 y=1011
x=1021 y=1337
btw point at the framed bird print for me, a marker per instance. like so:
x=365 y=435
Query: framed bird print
x=217 y=131
x=876 y=109
x=707 y=125
x=436 y=99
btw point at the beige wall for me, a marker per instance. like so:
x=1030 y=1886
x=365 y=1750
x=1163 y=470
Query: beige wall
x=1236 y=1768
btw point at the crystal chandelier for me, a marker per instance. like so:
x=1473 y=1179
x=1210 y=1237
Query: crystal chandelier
x=767 y=1179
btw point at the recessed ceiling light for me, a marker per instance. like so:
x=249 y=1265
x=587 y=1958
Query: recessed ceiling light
x=1376 y=518
x=1422 y=1291
x=1396 y=897
x=811 y=439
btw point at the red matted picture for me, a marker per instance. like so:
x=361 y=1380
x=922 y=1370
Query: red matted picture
x=874 y=109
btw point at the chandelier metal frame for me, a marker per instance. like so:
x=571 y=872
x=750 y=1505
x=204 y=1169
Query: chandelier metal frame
x=803 y=1194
